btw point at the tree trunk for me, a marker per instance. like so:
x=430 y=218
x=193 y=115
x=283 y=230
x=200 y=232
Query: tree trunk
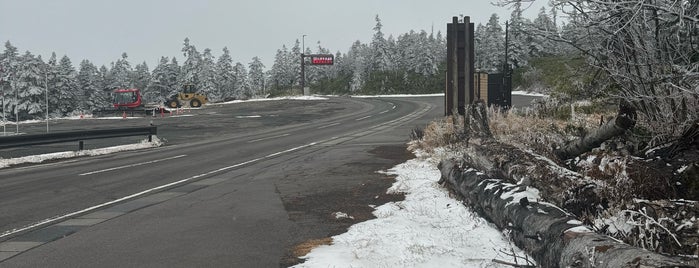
x=560 y=186
x=551 y=236
x=625 y=120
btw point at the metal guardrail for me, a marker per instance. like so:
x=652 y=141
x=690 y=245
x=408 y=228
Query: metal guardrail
x=80 y=136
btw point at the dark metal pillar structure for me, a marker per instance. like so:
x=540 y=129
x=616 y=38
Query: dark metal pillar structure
x=459 y=89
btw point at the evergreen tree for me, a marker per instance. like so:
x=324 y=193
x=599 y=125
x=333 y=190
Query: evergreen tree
x=121 y=73
x=379 y=57
x=493 y=45
x=67 y=90
x=256 y=76
x=174 y=77
x=30 y=86
x=191 y=66
x=240 y=86
x=543 y=30
x=518 y=43
x=159 y=88
x=9 y=63
x=282 y=74
x=224 y=77
x=88 y=78
x=207 y=75
x=141 y=77
x=104 y=79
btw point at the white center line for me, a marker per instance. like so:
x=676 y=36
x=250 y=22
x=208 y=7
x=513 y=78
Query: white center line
x=358 y=119
x=132 y=165
x=327 y=126
x=269 y=138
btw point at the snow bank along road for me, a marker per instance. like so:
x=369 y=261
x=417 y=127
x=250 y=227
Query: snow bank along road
x=236 y=185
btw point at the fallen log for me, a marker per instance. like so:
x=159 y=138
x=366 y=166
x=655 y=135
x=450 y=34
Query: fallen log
x=562 y=187
x=625 y=120
x=551 y=236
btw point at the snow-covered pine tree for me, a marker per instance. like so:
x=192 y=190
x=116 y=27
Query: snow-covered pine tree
x=174 y=77
x=103 y=81
x=282 y=74
x=241 y=87
x=88 y=81
x=9 y=63
x=293 y=62
x=140 y=78
x=542 y=31
x=158 y=87
x=121 y=73
x=379 y=60
x=207 y=75
x=67 y=90
x=479 y=47
x=30 y=86
x=224 y=76
x=256 y=76
x=191 y=67
x=493 y=45
x=359 y=65
x=518 y=43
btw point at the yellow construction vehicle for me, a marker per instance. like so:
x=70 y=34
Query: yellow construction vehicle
x=187 y=95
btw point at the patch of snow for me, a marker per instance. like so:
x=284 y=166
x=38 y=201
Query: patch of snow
x=342 y=215
x=427 y=229
x=93 y=152
x=579 y=229
x=517 y=193
x=574 y=222
x=525 y=93
x=682 y=169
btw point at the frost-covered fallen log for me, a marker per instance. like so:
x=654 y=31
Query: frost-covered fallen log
x=558 y=185
x=625 y=120
x=553 y=237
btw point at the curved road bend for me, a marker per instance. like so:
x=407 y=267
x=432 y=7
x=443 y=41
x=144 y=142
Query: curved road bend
x=242 y=198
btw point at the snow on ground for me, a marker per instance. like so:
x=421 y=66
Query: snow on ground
x=427 y=229
x=525 y=93
x=70 y=154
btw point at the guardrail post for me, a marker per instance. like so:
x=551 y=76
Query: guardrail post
x=81 y=145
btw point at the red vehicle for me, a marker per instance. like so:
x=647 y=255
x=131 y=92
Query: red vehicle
x=127 y=98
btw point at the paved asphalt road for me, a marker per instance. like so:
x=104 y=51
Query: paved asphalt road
x=236 y=186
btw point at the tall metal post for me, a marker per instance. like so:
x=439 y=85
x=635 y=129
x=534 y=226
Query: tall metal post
x=303 y=64
x=2 y=87
x=507 y=44
x=455 y=68
x=46 y=87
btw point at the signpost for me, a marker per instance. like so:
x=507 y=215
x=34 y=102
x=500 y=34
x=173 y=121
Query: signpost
x=316 y=59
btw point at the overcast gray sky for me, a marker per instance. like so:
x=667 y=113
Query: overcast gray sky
x=100 y=30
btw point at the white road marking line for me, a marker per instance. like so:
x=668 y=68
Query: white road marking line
x=132 y=165
x=269 y=138
x=362 y=118
x=383 y=112
x=327 y=126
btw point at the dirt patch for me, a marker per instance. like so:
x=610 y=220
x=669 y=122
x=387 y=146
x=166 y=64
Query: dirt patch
x=306 y=247
x=322 y=215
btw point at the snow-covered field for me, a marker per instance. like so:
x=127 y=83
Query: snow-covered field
x=427 y=229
